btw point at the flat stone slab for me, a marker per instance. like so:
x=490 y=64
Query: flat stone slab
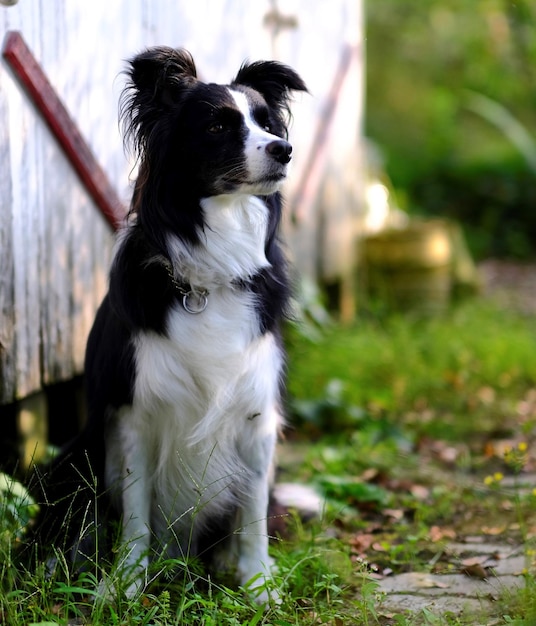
x=437 y=606
x=484 y=548
x=426 y=585
x=515 y=566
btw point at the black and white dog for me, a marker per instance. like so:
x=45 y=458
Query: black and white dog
x=184 y=362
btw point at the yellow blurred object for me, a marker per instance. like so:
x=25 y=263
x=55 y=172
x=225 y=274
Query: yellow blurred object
x=417 y=267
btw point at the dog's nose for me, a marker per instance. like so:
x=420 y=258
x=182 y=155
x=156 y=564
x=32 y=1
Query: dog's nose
x=280 y=150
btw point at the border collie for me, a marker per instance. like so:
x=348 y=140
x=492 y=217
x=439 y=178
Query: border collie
x=184 y=362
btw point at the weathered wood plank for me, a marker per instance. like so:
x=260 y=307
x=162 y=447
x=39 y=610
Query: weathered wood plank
x=7 y=296
x=27 y=204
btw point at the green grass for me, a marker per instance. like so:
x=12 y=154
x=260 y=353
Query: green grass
x=311 y=574
x=401 y=423
x=441 y=369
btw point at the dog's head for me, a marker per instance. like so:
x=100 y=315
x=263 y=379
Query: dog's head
x=206 y=139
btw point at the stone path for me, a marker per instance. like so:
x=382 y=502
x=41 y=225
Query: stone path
x=491 y=569
x=458 y=594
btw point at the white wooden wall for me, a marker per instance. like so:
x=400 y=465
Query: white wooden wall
x=55 y=247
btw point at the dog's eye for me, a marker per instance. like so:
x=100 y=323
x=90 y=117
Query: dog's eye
x=267 y=128
x=216 y=128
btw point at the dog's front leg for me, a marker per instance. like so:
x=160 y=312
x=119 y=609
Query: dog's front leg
x=253 y=558
x=127 y=475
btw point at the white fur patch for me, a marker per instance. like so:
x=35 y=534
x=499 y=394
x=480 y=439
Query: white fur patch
x=259 y=163
x=231 y=246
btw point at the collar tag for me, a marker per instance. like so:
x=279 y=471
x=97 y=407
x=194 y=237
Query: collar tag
x=195 y=302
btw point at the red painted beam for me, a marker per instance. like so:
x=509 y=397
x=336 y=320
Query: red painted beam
x=33 y=79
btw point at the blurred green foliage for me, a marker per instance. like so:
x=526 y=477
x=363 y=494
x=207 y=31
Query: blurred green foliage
x=426 y=61
x=456 y=376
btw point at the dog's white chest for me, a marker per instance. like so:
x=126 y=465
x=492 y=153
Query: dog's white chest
x=231 y=243
x=205 y=400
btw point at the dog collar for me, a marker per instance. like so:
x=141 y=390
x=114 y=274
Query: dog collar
x=193 y=300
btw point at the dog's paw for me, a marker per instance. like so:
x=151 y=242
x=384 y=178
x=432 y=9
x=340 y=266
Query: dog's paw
x=111 y=591
x=263 y=591
x=107 y=591
x=128 y=582
x=258 y=581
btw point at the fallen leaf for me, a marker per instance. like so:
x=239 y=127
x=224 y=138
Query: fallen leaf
x=475 y=571
x=396 y=514
x=475 y=560
x=489 y=449
x=420 y=492
x=493 y=530
x=369 y=474
x=362 y=542
x=425 y=582
x=499 y=447
x=398 y=484
x=438 y=534
x=531 y=532
x=486 y=395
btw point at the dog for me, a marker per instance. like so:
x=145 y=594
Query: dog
x=185 y=362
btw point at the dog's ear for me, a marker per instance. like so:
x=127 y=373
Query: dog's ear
x=157 y=79
x=160 y=72
x=275 y=81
